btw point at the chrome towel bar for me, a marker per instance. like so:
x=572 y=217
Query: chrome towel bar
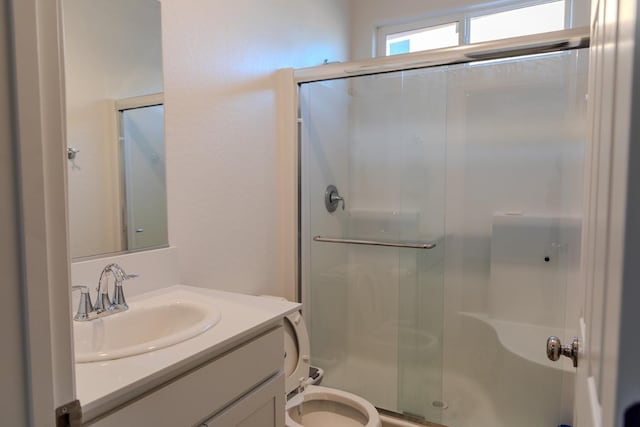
x=411 y=245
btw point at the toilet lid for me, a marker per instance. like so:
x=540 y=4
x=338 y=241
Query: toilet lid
x=296 y=351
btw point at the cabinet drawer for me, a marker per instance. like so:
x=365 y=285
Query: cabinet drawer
x=192 y=397
x=263 y=407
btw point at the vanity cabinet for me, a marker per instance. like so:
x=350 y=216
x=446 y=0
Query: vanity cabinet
x=241 y=387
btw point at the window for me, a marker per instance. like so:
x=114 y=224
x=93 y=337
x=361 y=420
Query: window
x=541 y=18
x=423 y=39
x=475 y=26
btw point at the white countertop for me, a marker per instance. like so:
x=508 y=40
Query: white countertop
x=101 y=386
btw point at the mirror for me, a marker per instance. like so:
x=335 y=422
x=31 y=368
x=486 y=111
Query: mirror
x=115 y=126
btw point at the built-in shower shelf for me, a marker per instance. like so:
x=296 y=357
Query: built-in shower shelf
x=526 y=340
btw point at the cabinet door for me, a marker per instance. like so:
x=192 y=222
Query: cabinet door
x=263 y=407
x=196 y=395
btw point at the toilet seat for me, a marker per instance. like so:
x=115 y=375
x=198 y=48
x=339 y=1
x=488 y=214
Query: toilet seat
x=328 y=406
x=355 y=404
x=297 y=354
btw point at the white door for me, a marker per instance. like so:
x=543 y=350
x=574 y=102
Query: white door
x=597 y=398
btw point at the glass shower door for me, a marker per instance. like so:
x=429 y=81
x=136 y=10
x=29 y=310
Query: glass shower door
x=515 y=141
x=484 y=160
x=375 y=313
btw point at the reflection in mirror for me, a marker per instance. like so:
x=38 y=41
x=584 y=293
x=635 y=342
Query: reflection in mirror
x=143 y=165
x=115 y=125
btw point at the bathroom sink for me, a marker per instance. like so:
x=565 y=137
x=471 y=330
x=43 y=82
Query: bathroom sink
x=148 y=325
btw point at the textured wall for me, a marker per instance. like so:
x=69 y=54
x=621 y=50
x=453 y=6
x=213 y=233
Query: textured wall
x=222 y=114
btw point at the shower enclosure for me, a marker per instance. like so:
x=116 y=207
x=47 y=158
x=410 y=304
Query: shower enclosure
x=431 y=287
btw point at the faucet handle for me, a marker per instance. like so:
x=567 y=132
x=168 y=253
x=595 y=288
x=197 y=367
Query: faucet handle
x=102 y=299
x=118 y=293
x=84 y=307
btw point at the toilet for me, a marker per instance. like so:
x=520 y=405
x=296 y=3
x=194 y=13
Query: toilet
x=315 y=405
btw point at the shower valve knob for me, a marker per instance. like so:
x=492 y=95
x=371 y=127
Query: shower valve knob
x=332 y=199
x=337 y=199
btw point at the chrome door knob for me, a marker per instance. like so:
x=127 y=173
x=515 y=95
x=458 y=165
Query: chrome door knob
x=555 y=349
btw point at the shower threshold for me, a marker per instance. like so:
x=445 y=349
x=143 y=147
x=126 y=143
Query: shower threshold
x=393 y=419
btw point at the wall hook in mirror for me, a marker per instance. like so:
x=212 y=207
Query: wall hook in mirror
x=72 y=152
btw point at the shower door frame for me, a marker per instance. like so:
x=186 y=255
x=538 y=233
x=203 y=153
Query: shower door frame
x=555 y=41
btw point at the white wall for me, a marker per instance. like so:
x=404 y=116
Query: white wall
x=222 y=120
x=368 y=15
x=112 y=51
x=12 y=371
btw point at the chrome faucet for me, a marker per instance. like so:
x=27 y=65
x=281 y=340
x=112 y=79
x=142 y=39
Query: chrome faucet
x=104 y=306
x=103 y=302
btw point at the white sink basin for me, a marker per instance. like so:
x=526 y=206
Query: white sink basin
x=148 y=325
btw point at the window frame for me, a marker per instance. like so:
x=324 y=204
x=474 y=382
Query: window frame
x=463 y=18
